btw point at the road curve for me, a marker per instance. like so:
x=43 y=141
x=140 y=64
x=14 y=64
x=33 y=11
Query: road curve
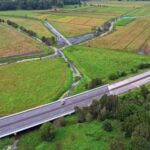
x=36 y=116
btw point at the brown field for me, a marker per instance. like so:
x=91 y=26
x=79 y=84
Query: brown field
x=30 y=24
x=131 y=37
x=13 y=43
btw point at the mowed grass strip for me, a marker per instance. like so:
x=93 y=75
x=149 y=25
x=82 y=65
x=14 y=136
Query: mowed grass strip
x=130 y=37
x=94 y=62
x=30 y=84
x=13 y=42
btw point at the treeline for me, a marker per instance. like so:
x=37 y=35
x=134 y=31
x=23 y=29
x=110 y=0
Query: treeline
x=34 y=4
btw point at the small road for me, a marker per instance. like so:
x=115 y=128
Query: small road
x=55 y=32
x=30 y=118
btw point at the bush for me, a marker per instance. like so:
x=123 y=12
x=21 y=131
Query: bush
x=113 y=76
x=117 y=144
x=47 y=132
x=107 y=126
x=60 y=122
x=134 y=70
x=2 y=20
x=117 y=75
x=144 y=66
x=144 y=91
x=142 y=130
x=94 y=83
x=13 y=24
x=139 y=143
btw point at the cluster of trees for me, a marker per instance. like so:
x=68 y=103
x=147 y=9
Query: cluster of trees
x=48 y=40
x=29 y=32
x=132 y=110
x=117 y=75
x=13 y=24
x=34 y=4
x=100 y=30
x=47 y=130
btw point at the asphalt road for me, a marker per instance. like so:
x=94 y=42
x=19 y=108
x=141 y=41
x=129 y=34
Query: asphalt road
x=58 y=34
x=33 y=117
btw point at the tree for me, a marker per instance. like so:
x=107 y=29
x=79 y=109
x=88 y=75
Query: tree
x=142 y=130
x=60 y=122
x=144 y=91
x=47 y=132
x=139 y=143
x=107 y=126
x=117 y=144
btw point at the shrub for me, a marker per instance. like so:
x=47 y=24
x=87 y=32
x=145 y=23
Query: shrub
x=144 y=91
x=113 y=76
x=2 y=20
x=117 y=144
x=47 y=132
x=144 y=66
x=94 y=83
x=139 y=143
x=60 y=122
x=107 y=126
x=13 y=24
x=134 y=70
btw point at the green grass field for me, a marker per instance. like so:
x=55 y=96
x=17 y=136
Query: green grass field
x=124 y=21
x=31 y=84
x=94 y=62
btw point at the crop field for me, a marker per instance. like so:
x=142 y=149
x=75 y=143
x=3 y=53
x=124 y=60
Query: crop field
x=94 y=62
x=71 y=22
x=141 y=11
x=30 y=84
x=14 y=43
x=131 y=37
x=31 y=24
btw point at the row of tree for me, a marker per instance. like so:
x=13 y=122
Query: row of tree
x=34 y=4
x=47 y=40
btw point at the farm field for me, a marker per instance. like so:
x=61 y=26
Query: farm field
x=94 y=62
x=131 y=37
x=22 y=44
x=31 y=24
x=72 y=22
x=141 y=11
x=30 y=84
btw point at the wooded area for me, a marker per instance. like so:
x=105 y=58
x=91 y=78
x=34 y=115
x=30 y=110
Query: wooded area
x=34 y=4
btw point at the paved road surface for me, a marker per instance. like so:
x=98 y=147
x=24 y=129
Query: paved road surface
x=33 y=117
x=58 y=34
